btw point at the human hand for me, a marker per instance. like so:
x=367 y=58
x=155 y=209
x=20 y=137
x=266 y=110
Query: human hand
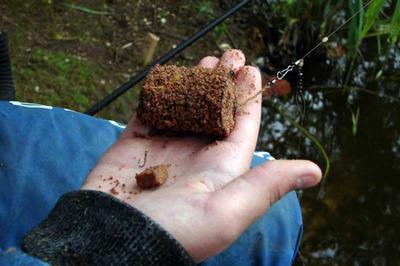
x=211 y=196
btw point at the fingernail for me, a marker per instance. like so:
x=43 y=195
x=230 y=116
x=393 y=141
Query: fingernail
x=305 y=182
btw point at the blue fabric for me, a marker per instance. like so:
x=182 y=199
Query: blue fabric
x=15 y=257
x=46 y=152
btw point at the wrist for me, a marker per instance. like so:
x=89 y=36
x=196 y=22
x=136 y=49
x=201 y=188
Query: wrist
x=94 y=228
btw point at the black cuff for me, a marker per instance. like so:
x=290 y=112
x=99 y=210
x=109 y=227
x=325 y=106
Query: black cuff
x=90 y=227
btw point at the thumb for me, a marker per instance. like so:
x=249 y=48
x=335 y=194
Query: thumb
x=247 y=197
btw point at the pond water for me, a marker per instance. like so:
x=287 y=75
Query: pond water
x=353 y=217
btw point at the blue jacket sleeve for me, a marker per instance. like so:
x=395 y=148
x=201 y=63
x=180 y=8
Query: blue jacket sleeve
x=14 y=257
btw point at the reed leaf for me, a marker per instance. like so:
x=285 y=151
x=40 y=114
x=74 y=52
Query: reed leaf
x=308 y=135
x=355 y=27
x=395 y=23
x=354 y=121
x=371 y=16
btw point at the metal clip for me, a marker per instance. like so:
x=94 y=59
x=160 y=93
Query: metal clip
x=282 y=73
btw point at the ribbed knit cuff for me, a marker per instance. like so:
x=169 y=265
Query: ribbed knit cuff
x=90 y=227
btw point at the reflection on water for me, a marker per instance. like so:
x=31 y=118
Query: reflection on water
x=356 y=219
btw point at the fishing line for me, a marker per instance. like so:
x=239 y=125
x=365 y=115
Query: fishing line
x=279 y=75
x=326 y=38
x=300 y=62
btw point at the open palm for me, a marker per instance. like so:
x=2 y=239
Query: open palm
x=210 y=196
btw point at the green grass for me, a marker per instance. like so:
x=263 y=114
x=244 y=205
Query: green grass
x=18 y=37
x=371 y=16
x=395 y=24
x=205 y=9
x=57 y=78
x=379 y=18
x=354 y=121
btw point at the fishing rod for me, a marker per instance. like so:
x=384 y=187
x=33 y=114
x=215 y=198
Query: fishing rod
x=7 y=91
x=163 y=59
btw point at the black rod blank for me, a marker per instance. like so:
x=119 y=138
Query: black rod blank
x=7 y=92
x=163 y=59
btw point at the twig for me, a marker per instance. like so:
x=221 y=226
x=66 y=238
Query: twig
x=10 y=21
x=85 y=9
x=170 y=35
x=152 y=42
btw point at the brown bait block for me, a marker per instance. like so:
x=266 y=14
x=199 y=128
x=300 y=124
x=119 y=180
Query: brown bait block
x=197 y=99
x=152 y=177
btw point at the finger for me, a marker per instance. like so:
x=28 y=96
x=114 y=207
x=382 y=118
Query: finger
x=232 y=59
x=247 y=197
x=209 y=62
x=248 y=115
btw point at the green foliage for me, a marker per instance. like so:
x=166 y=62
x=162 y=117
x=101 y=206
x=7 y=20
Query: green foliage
x=59 y=79
x=371 y=16
x=354 y=120
x=395 y=23
x=205 y=9
x=219 y=30
x=356 y=26
x=290 y=10
x=363 y=23
x=367 y=23
x=17 y=38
